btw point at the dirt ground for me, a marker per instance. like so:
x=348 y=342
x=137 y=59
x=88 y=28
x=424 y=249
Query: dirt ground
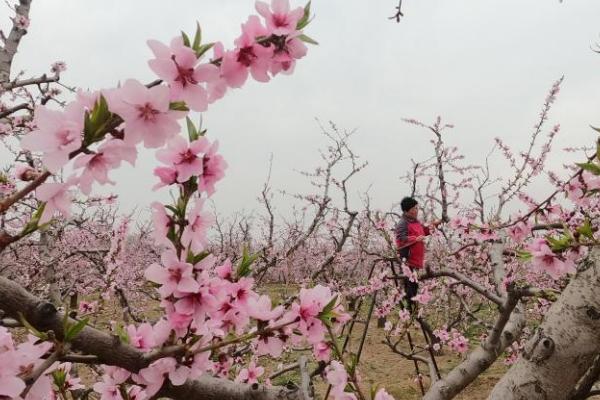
x=380 y=366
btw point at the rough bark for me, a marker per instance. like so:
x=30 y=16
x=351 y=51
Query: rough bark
x=509 y=325
x=8 y=51
x=586 y=384
x=15 y=301
x=565 y=345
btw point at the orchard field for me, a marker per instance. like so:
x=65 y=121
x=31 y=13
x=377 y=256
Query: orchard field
x=481 y=281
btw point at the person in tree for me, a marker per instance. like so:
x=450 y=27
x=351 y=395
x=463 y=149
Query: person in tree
x=409 y=234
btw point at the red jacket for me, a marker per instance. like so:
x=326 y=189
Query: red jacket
x=407 y=230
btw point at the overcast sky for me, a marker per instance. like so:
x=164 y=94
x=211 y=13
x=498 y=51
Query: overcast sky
x=484 y=66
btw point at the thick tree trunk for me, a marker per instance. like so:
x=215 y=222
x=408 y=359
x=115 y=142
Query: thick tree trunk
x=8 y=51
x=482 y=357
x=565 y=345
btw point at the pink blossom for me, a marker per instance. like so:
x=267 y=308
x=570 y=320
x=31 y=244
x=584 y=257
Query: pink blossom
x=175 y=276
x=322 y=351
x=194 y=234
x=183 y=157
x=161 y=223
x=87 y=307
x=10 y=385
x=141 y=337
x=56 y=197
x=71 y=382
x=225 y=270
x=177 y=65
x=58 y=67
x=592 y=181
x=42 y=389
x=153 y=376
x=424 y=296
x=520 y=231
x=218 y=86
x=198 y=304
x=260 y=308
x=162 y=331
x=58 y=134
x=251 y=374
x=338 y=379
x=213 y=169
x=546 y=260
x=96 y=165
x=284 y=59
x=167 y=176
x=459 y=344
x=249 y=56
x=280 y=20
x=145 y=112
x=269 y=343
x=24 y=172
x=382 y=394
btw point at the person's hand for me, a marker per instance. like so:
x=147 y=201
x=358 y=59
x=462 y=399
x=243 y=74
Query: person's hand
x=419 y=238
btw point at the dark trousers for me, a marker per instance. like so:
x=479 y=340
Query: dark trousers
x=410 y=289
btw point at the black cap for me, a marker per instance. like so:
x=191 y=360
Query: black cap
x=407 y=203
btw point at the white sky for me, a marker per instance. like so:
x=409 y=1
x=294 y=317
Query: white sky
x=484 y=65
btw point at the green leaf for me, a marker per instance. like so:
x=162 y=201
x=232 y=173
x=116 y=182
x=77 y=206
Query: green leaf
x=186 y=39
x=200 y=257
x=31 y=329
x=246 y=262
x=203 y=48
x=88 y=129
x=560 y=244
x=192 y=258
x=326 y=315
x=197 y=37
x=524 y=255
x=100 y=113
x=74 y=329
x=305 y=18
x=32 y=225
x=192 y=131
x=60 y=377
x=594 y=128
x=586 y=230
x=96 y=122
x=122 y=333
x=173 y=209
x=178 y=106
x=591 y=167
x=308 y=39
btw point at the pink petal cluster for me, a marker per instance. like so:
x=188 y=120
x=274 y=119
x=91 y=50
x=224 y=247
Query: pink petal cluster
x=57 y=136
x=545 y=260
x=95 y=166
x=57 y=198
x=15 y=359
x=337 y=377
x=146 y=113
x=183 y=158
x=178 y=65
